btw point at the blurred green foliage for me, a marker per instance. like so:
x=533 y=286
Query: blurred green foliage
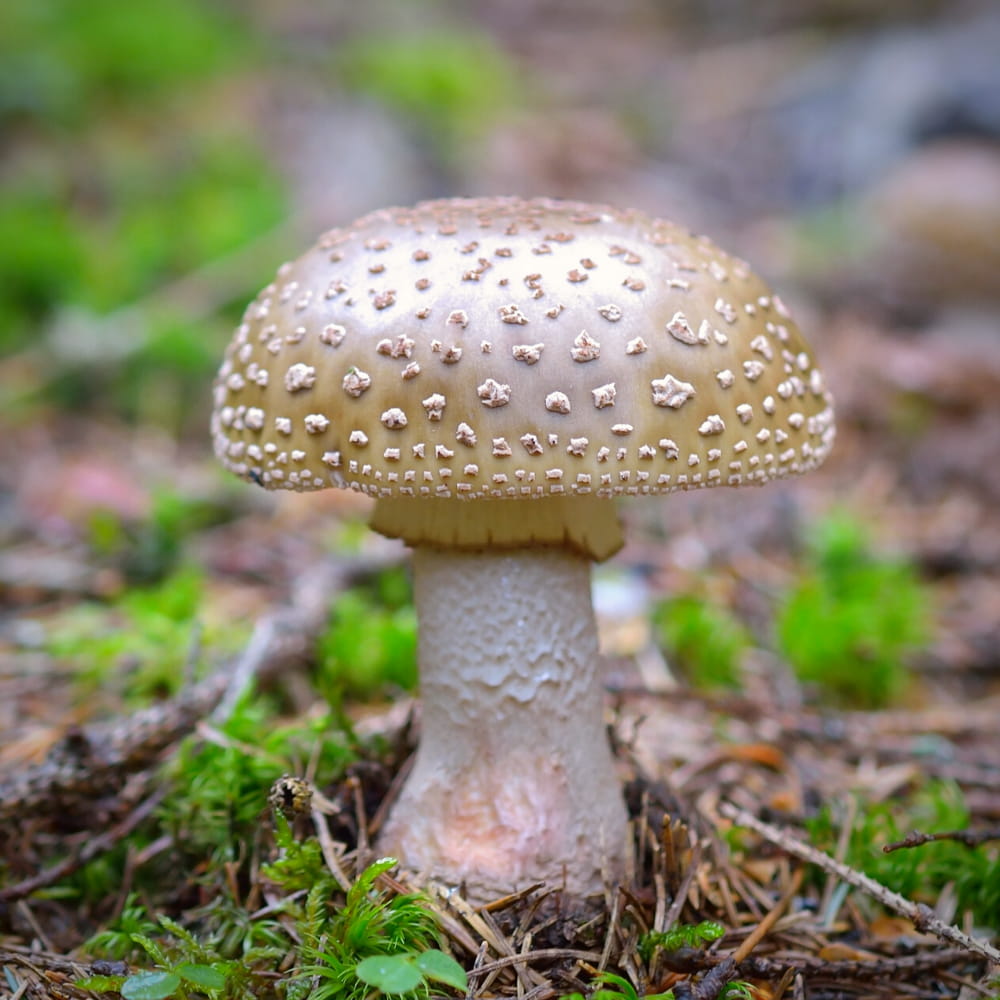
x=63 y=61
x=827 y=236
x=143 y=644
x=370 y=646
x=127 y=166
x=922 y=873
x=702 y=639
x=849 y=623
x=450 y=85
x=149 y=549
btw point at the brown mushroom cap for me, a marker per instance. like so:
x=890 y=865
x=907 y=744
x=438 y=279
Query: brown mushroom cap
x=508 y=348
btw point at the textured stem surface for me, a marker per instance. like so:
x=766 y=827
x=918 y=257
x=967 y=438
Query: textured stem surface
x=513 y=781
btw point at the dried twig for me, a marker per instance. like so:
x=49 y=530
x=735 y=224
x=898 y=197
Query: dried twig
x=90 y=850
x=814 y=967
x=922 y=915
x=674 y=913
x=710 y=985
x=970 y=838
x=769 y=920
x=329 y=849
x=542 y=954
x=37 y=961
x=484 y=925
x=95 y=761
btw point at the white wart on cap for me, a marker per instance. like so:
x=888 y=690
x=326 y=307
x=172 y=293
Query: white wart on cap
x=501 y=348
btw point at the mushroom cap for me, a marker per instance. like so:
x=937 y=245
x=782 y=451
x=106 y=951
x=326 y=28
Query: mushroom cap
x=509 y=348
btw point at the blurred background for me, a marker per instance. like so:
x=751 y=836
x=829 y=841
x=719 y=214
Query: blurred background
x=159 y=160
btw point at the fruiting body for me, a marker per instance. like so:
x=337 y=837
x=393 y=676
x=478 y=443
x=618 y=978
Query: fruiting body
x=458 y=358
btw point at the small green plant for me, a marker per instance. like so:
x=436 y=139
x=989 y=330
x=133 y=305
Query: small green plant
x=118 y=940
x=299 y=865
x=372 y=940
x=680 y=936
x=852 y=619
x=238 y=933
x=614 y=987
x=919 y=873
x=738 y=989
x=184 y=967
x=394 y=974
x=225 y=933
x=611 y=986
x=370 y=644
x=160 y=984
x=703 y=639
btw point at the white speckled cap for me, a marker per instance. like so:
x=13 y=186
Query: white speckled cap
x=509 y=348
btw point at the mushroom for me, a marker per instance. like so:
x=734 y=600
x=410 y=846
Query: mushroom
x=495 y=372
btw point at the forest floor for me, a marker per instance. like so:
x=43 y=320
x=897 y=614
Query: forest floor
x=803 y=681
x=758 y=808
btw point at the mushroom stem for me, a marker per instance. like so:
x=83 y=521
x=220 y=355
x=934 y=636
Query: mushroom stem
x=513 y=781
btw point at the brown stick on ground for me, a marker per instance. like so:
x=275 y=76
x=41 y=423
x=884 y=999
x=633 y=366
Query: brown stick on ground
x=922 y=916
x=769 y=920
x=970 y=838
x=92 y=849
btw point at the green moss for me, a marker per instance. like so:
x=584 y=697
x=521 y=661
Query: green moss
x=920 y=873
x=703 y=640
x=62 y=59
x=369 y=648
x=451 y=85
x=212 y=819
x=219 y=787
x=140 y=646
x=852 y=619
x=338 y=940
x=333 y=945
